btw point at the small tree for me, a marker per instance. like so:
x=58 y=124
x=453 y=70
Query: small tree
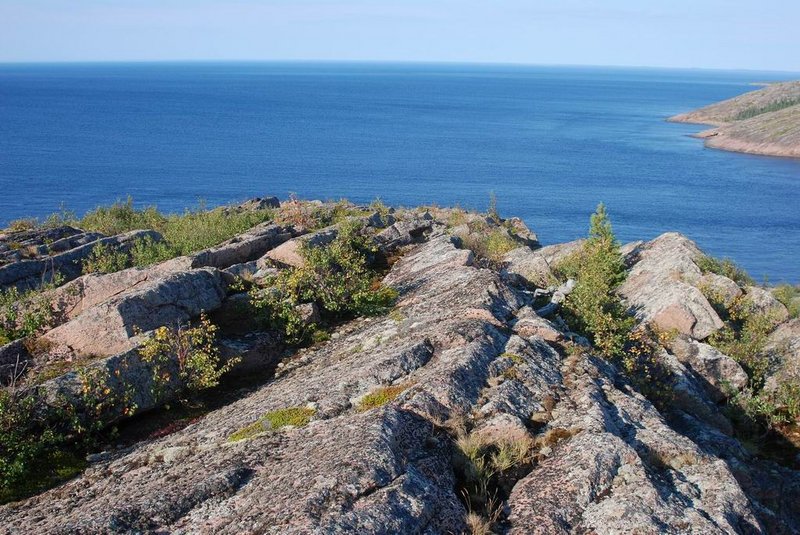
x=593 y=307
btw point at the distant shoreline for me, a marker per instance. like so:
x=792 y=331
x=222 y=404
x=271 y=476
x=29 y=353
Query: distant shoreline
x=764 y=122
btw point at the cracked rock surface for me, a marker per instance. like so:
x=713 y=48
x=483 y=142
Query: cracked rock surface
x=462 y=341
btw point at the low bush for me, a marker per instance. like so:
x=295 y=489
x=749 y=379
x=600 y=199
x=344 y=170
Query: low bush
x=122 y=217
x=24 y=314
x=336 y=277
x=790 y=297
x=488 y=243
x=35 y=443
x=191 y=351
x=185 y=233
x=106 y=258
x=21 y=225
x=485 y=469
x=744 y=337
x=725 y=267
x=147 y=251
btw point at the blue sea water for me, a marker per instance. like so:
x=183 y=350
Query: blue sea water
x=551 y=142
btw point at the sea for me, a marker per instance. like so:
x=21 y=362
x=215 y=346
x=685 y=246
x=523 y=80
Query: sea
x=549 y=143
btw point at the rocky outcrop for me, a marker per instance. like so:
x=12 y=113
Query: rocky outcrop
x=36 y=243
x=243 y=248
x=659 y=289
x=31 y=273
x=624 y=470
x=720 y=374
x=528 y=266
x=460 y=341
x=111 y=326
x=463 y=353
x=764 y=303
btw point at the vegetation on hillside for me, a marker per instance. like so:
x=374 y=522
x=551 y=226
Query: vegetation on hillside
x=43 y=441
x=337 y=278
x=753 y=111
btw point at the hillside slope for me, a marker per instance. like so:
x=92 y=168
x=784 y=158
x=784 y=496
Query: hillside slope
x=464 y=405
x=766 y=121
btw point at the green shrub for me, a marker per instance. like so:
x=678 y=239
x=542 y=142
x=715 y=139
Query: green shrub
x=24 y=314
x=770 y=408
x=147 y=251
x=185 y=233
x=18 y=446
x=725 y=267
x=489 y=244
x=593 y=308
x=790 y=297
x=106 y=258
x=744 y=337
x=122 y=217
x=336 y=277
x=193 y=231
x=190 y=350
x=21 y=225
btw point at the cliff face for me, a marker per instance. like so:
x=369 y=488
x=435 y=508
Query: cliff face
x=405 y=415
x=766 y=121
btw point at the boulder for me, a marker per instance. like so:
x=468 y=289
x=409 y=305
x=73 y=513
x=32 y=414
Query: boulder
x=764 y=303
x=521 y=231
x=657 y=288
x=111 y=326
x=402 y=233
x=553 y=254
x=288 y=253
x=719 y=373
x=245 y=247
x=783 y=349
x=257 y=352
x=529 y=324
x=690 y=394
x=259 y=203
x=529 y=266
x=721 y=287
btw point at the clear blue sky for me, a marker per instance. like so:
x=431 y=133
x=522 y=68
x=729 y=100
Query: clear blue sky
x=751 y=34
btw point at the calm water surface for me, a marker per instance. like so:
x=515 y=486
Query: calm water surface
x=550 y=142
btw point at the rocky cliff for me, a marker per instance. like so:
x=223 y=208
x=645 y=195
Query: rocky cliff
x=468 y=406
x=766 y=121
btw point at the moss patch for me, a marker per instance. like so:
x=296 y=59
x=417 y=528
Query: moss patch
x=380 y=397
x=294 y=416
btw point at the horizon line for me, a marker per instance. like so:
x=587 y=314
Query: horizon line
x=385 y=62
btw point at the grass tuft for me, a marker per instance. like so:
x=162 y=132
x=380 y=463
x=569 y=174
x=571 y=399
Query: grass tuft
x=380 y=397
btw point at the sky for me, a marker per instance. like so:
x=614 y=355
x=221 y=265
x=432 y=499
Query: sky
x=723 y=34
